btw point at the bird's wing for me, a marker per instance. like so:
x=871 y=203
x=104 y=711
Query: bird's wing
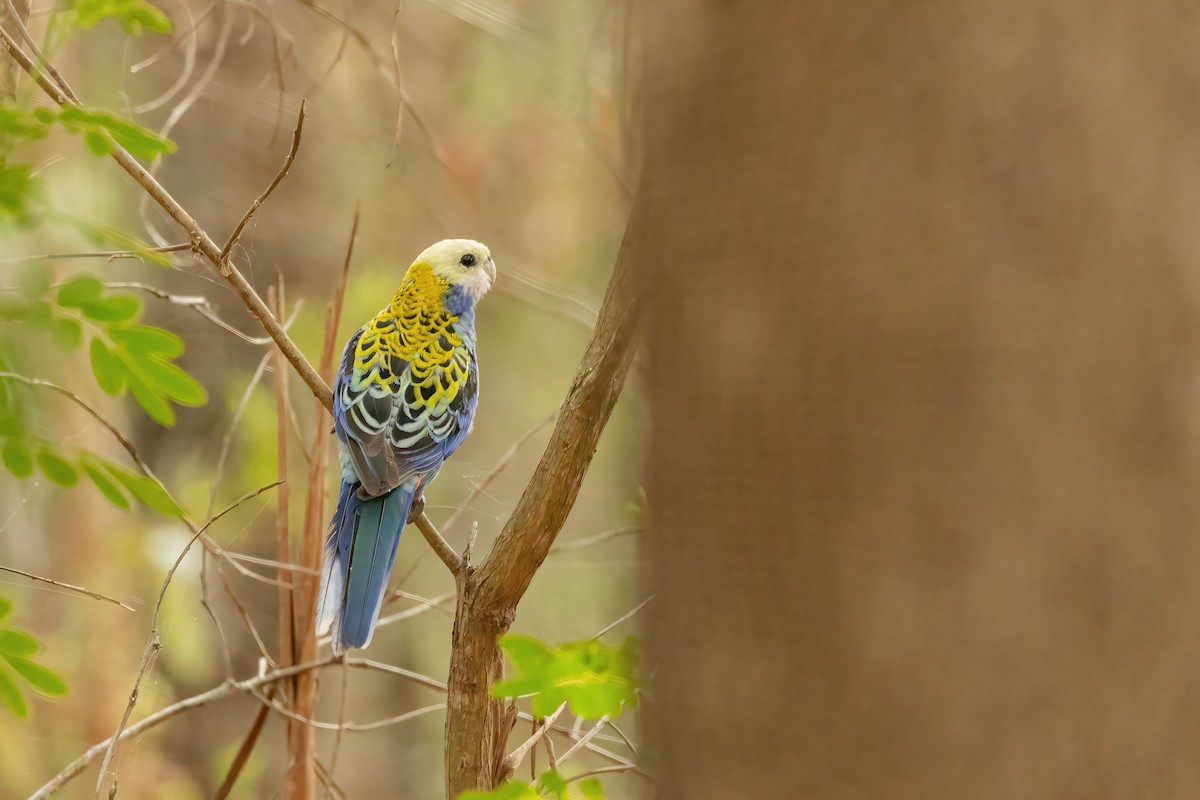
x=396 y=417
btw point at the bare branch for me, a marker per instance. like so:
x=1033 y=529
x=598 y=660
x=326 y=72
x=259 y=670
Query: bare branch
x=500 y=465
x=201 y=241
x=623 y=617
x=514 y=759
x=262 y=198
x=440 y=546
x=587 y=737
x=488 y=603
x=111 y=255
x=227 y=689
x=247 y=747
x=154 y=644
x=68 y=586
x=636 y=770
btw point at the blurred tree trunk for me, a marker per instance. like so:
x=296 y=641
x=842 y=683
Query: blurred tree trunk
x=924 y=398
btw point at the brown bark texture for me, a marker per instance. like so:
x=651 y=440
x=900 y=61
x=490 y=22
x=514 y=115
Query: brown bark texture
x=922 y=285
x=488 y=594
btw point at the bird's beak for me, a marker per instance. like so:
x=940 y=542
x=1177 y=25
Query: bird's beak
x=489 y=267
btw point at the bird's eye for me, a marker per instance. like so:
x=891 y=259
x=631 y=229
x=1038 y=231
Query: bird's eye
x=468 y=260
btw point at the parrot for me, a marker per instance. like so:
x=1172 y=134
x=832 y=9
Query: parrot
x=403 y=401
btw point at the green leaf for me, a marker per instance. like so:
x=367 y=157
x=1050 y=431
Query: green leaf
x=109 y=370
x=552 y=782
x=17 y=458
x=5 y=607
x=22 y=195
x=40 y=678
x=20 y=124
x=146 y=490
x=174 y=382
x=591 y=677
x=592 y=789
x=97 y=126
x=66 y=332
x=80 y=291
x=111 y=490
x=114 y=308
x=56 y=468
x=10 y=696
x=152 y=400
x=148 y=340
x=134 y=16
x=509 y=790
x=17 y=643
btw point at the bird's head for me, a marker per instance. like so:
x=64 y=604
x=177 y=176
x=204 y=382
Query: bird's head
x=462 y=262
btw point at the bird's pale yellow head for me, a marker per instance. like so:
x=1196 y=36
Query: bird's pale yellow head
x=461 y=262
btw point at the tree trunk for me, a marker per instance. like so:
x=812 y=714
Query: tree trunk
x=924 y=398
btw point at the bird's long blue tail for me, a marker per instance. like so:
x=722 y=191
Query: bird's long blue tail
x=359 y=552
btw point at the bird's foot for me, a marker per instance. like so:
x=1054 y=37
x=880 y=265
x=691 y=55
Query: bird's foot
x=417 y=508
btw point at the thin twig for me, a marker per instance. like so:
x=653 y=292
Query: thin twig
x=200 y=239
x=497 y=468
x=227 y=689
x=204 y=244
x=440 y=546
x=68 y=586
x=401 y=672
x=513 y=760
x=599 y=538
x=623 y=617
x=154 y=644
x=636 y=770
x=108 y=254
x=352 y=727
x=243 y=754
x=342 y=703
x=587 y=737
x=258 y=201
x=37 y=52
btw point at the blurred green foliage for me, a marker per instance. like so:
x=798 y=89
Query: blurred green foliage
x=592 y=678
x=549 y=785
x=134 y=16
x=16 y=650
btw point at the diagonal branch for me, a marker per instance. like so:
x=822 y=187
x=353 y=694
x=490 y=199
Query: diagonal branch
x=201 y=241
x=262 y=198
x=68 y=586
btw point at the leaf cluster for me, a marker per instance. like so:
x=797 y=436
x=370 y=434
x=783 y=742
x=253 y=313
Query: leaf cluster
x=125 y=355
x=549 y=785
x=18 y=667
x=592 y=678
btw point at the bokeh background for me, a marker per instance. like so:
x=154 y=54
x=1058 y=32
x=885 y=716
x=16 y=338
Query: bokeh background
x=512 y=134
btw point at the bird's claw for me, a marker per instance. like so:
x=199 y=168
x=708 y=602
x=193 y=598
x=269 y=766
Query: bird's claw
x=417 y=508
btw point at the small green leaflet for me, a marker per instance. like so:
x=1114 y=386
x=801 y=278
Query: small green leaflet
x=100 y=129
x=127 y=356
x=591 y=677
x=108 y=237
x=134 y=16
x=22 y=195
x=17 y=123
x=17 y=458
x=17 y=665
x=116 y=483
x=56 y=468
